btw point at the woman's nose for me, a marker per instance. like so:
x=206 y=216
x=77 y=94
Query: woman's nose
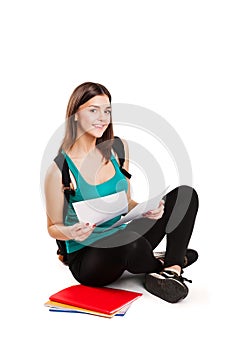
x=102 y=115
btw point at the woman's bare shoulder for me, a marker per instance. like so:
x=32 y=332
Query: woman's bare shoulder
x=53 y=173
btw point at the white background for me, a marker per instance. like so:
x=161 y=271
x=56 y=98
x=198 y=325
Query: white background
x=173 y=57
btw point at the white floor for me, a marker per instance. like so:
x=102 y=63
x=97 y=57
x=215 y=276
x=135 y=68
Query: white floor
x=150 y=321
x=200 y=321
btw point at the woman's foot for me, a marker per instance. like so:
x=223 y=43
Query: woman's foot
x=167 y=285
x=190 y=257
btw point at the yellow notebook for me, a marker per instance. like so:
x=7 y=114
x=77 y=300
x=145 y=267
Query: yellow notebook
x=55 y=306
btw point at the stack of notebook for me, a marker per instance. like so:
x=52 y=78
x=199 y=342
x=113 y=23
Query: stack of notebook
x=99 y=301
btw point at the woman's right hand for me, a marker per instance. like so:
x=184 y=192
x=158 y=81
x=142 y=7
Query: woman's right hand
x=81 y=231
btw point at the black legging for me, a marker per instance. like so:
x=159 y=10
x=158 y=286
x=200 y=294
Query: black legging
x=132 y=248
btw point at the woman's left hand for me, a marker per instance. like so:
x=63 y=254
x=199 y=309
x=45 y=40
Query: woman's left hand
x=156 y=214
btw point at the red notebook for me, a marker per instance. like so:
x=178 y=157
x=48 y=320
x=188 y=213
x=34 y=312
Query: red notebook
x=101 y=299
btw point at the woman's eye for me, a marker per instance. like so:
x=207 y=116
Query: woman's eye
x=93 y=110
x=108 y=112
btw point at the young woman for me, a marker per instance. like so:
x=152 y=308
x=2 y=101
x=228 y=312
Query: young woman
x=98 y=258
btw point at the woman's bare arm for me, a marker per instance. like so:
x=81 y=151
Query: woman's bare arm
x=54 y=207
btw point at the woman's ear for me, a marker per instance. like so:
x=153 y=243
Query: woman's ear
x=76 y=116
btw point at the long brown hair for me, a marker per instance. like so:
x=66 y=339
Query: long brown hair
x=81 y=95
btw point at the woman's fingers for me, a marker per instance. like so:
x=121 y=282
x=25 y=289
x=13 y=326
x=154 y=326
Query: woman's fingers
x=82 y=237
x=154 y=217
x=81 y=231
x=156 y=213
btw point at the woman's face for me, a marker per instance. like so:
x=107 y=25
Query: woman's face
x=94 y=116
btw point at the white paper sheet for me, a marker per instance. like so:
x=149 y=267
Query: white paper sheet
x=99 y=210
x=140 y=209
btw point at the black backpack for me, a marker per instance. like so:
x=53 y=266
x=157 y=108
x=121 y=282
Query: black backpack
x=62 y=164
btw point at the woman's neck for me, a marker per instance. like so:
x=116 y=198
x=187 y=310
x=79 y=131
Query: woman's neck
x=86 y=144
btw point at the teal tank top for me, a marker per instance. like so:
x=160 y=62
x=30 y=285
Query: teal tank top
x=85 y=191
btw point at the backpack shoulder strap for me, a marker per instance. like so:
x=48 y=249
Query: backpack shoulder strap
x=66 y=182
x=118 y=147
x=63 y=166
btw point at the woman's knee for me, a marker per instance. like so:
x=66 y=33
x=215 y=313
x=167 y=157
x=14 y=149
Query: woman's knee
x=186 y=193
x=191 y=193
x=99 y=268
x=97 y=279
